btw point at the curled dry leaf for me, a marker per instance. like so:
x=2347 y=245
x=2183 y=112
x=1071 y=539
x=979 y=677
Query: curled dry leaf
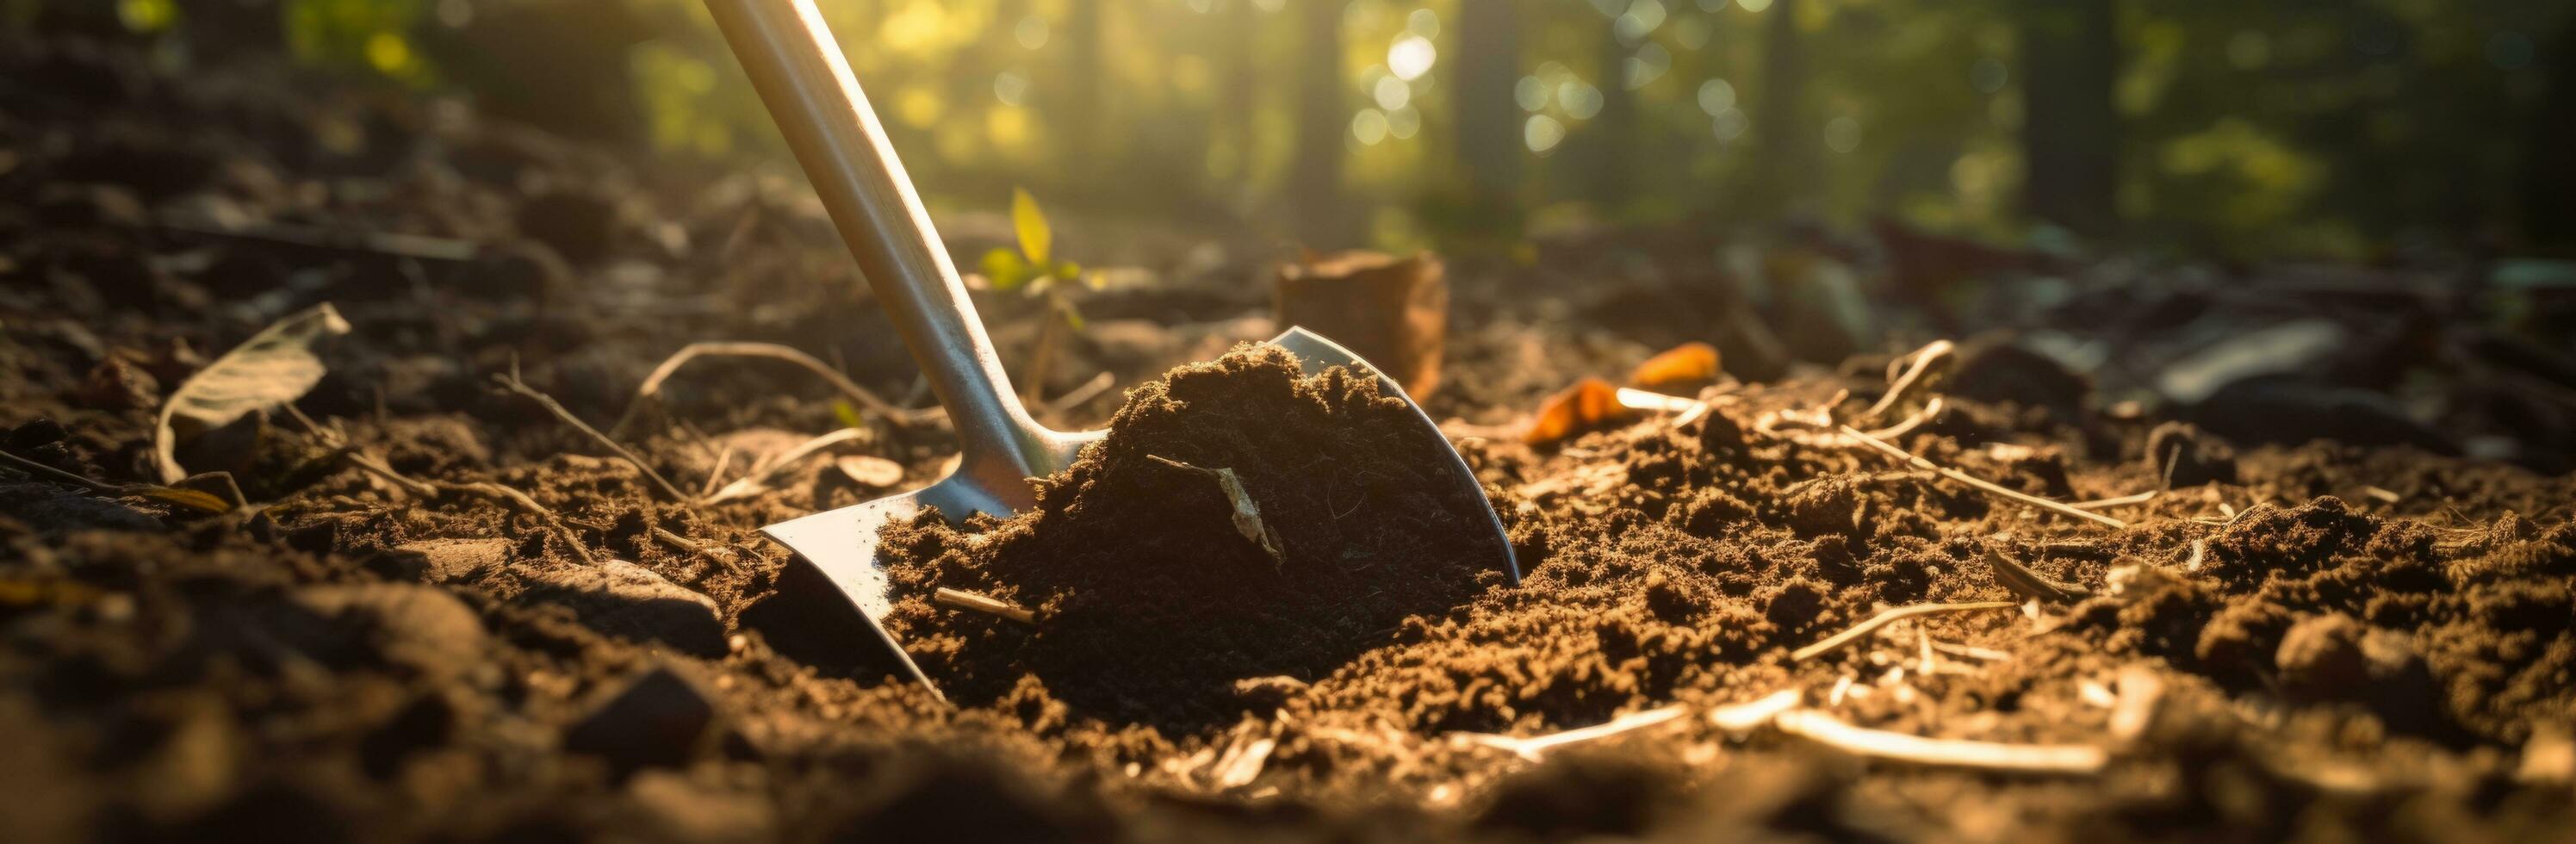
x=273 y=367
x=1247 y=515
x=1591 y=403
x=870 y=471
x=1686 y=365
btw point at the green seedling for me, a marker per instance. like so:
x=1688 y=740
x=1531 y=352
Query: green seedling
x=1033 y=268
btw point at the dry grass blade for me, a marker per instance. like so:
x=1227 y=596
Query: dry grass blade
x=1980 y=483
x=485 y=489
x=758 y=481
x=2031 y=584
x=1075 y=397
x=1823 y=728
x=1536 y=748
x=860 y=395
x=1897 y=390
x=1741 y=718
x=1844 y=639
x=986 y=604
x=2120 y=501
x=513 y=384
x=39 y=470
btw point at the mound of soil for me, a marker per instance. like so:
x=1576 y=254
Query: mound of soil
x=1152 y=603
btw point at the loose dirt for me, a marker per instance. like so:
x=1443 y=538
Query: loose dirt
x=1152 y=602
x=2316 y=640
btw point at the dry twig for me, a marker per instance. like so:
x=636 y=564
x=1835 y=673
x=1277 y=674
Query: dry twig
x=1980 y=483
x=511 y=381
x=2120 y=501
x=653 y=383
x=986 y=604
x=1844 y=639
x=1897 y=390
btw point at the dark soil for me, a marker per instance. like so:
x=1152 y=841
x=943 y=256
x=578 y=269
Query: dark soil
x=2344 y=641
x=1152 y=603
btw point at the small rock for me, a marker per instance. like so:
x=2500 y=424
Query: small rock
x=624 y=599
x=674 y=808
x=2183 y=455
x=2333 y=657
x=418 y=626
x=115 y=384
x=439 y=560
x=657 y=719
x=1268 y=691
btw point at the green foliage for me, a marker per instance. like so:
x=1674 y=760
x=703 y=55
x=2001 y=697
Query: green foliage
x=1032 y=265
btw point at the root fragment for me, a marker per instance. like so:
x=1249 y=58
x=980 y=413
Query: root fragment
x=1989 y=487
x=1536 y=748
x=860 y=395
x=511 y=382
x=1823 y=728
x=1844 y=639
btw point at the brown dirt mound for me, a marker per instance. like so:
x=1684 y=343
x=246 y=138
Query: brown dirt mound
x=1152 y=603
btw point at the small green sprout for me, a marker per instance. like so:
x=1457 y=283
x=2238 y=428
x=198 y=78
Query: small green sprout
x=1033 y=268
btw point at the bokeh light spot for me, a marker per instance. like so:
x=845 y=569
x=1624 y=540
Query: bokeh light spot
x=1411 y=57
x=1542 y=133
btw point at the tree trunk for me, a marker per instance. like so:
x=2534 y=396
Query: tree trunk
x=1487 y=141
x=1785 y=138
x=2070 y=125
x=1322 y=114
x=2549 y=173
x=1610 y=138
x=1078 y=118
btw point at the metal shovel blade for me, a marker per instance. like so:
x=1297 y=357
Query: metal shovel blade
x=842 y=543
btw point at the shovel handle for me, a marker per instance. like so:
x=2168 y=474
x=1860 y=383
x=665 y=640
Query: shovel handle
x=805 y=81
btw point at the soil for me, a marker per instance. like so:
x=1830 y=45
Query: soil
x=1152 y=602
x=2332 y=640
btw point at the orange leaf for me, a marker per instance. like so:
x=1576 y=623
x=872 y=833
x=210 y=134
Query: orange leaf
x=1689 y=364
x=1590 y=404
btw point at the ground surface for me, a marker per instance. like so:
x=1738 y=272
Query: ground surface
x=2357 y=639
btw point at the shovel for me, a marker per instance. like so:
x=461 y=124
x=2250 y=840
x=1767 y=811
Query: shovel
x=806 y=82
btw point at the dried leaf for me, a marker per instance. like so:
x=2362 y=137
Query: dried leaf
x=1247 y=515
x=1689 y=364
x=870 y=471
x=272 y=368
x=192 y=499
x=1589 y=404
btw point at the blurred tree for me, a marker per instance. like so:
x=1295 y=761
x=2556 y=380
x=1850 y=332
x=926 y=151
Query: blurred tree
x=1608 y=145
x=222 y=29
x=2070 y=55
x=559 y=64
x=2549 y=186
x=1783 y=137
x=1487 y=141
x=1323 y=117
